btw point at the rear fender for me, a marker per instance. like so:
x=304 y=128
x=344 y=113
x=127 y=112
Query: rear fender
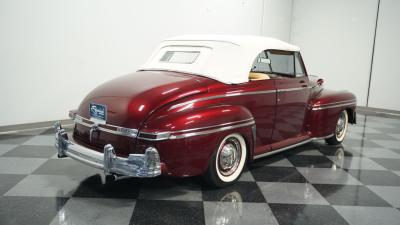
x=186 y=140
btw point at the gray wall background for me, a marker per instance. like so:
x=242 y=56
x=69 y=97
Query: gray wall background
x=53 y=52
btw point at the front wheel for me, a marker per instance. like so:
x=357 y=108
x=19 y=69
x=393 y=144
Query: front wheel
x=341 y=129
x=227 y=162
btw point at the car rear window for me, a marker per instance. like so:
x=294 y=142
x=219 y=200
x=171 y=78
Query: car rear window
x=187 y=57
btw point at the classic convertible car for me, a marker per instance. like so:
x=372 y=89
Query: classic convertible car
x=205 y=105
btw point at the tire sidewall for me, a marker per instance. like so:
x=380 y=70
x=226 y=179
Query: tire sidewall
x=340 y=139
x=213 y=176
x=334 y=140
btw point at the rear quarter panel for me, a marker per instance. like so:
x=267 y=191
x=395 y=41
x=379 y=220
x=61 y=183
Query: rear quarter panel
x=189 y=156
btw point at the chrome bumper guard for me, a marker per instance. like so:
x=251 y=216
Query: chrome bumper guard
x=136 y=165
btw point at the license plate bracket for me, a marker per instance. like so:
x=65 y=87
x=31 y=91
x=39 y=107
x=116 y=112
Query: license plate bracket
x=98 y=113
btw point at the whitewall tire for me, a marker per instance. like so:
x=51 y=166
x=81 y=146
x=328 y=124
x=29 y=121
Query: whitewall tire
x=340 y=129
x=227 y=162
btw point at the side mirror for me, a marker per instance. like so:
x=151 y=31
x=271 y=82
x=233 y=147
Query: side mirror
x=320 y=81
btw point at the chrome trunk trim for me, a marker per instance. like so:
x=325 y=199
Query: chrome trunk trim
x=104 y=127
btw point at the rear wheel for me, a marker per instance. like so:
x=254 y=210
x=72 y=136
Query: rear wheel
x=340 y=130
x=227 y=162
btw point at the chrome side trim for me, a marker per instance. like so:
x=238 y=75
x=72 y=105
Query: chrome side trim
x=102 y=127
x=158 y=136
x=218 y=125
x=331 y=105
x=293 y=89
x=237 y=94
x=196 y=131
x=281 y=149
x=209 y=131
x=220 y=96
x=334 y=103
x=289 y=147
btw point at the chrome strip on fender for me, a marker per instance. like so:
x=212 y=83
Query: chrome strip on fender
x=195 y=131
x=334 y=105
x=210 y=131
x=220 y=96
x=213 y=126
x=158 y=136
x=237 y=94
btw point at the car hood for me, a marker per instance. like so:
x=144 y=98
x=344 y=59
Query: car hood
x=130 y=99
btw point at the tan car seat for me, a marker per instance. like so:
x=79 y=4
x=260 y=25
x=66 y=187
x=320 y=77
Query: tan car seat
x=258 y=76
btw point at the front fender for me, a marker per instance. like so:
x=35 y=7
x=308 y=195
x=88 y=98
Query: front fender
x=186 y=140
x=324 y=110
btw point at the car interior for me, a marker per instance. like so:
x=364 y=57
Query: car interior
x=258 y=76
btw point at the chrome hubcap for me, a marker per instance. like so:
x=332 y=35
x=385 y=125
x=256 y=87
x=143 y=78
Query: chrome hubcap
x=340 y=126
x=229 y=157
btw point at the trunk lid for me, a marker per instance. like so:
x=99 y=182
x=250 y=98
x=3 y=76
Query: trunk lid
x=132 y=98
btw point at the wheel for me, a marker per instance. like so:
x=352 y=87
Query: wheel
x=340 y=131
x=227 y=162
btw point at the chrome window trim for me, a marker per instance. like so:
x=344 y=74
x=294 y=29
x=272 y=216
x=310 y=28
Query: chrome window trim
x=237 y=94
x=128 y=132
x=159 y=136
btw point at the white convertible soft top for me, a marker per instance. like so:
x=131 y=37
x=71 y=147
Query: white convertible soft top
x=226 y=58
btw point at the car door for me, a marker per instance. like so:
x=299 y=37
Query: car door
x=293 y=94
x=260 y=99
x=264 y=115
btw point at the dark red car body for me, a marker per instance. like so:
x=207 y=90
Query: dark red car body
x=286 y=111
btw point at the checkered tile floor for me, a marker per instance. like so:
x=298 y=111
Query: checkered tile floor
x=356 y=183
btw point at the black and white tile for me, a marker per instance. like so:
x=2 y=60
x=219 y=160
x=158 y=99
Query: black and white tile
x=355 y=183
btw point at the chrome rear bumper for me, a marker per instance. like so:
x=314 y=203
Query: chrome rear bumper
x=136 y=165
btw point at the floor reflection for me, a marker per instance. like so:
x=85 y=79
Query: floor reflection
x=229 y=210
x=357 y=182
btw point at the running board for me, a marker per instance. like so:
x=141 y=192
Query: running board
x=289 y=147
